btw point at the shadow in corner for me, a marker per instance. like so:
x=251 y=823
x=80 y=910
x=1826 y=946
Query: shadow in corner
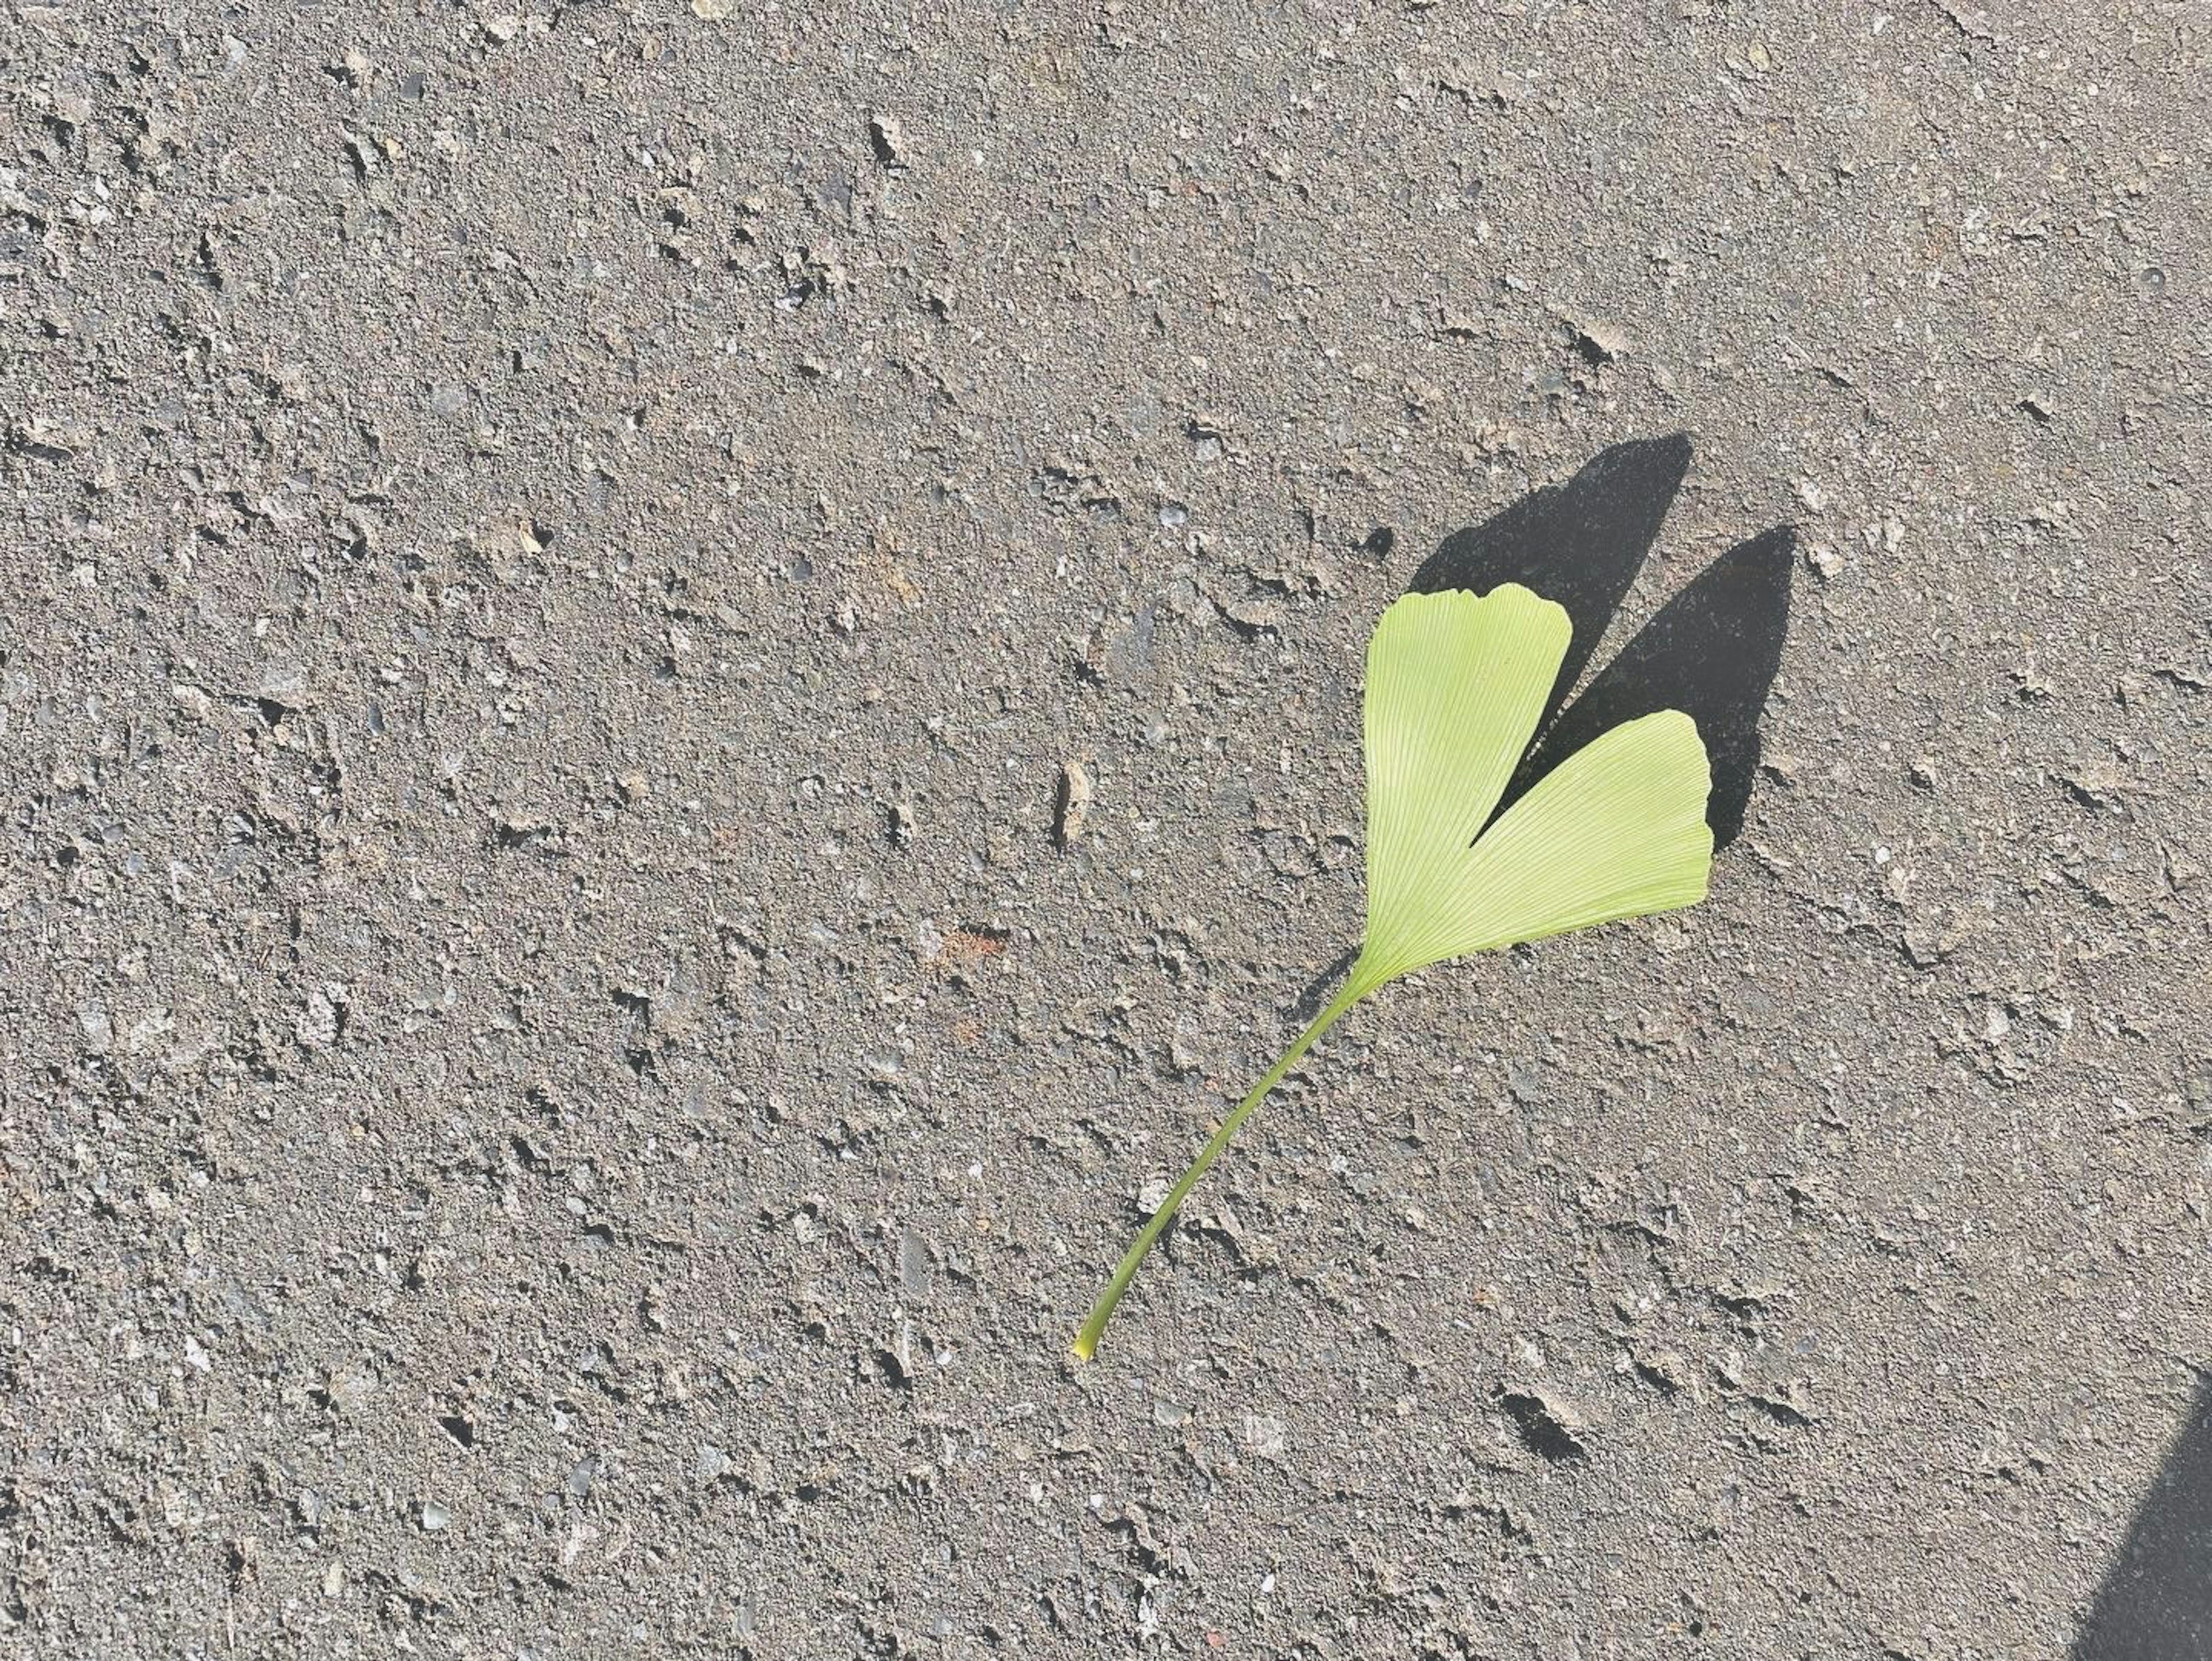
x=2156 y=1601
x=1712 y=651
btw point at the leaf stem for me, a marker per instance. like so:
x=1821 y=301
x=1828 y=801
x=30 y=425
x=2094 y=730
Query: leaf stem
x=1355 y=988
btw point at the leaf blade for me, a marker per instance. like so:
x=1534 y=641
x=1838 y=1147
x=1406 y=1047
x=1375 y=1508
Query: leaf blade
x=1455 y=684
x=1616 y=830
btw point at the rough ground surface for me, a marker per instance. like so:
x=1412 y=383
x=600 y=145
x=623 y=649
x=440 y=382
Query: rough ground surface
x=558 y=1097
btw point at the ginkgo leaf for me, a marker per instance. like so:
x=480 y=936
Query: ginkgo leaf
x=1456 y=685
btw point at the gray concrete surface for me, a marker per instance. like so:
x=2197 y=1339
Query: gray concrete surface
x=557 y=1096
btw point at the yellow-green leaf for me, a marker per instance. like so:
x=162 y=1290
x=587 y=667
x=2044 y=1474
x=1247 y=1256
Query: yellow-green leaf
x=1456 y=685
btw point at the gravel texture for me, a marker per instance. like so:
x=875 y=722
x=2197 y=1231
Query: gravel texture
x=679 y=695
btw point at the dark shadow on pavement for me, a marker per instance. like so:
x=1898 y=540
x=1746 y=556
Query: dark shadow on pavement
x=1712 y=652
x=2156 y=1601
x=1580 y=543
x=1308 y=1002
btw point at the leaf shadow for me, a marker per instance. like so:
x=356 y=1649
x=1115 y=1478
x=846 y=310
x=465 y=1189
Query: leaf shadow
x=2156 y=1598
x=1580 y=543
x=1307 y=1004
x=1712 y=652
